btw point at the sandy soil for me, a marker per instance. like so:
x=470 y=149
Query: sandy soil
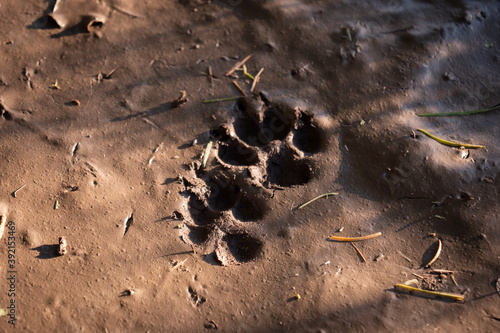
x=156 y=242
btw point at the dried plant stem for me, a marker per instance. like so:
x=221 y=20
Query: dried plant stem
x=238 y=65
x=354 y=239
x=359 y=252
x=206 y=154
x=326 y=195
x=450 y=143
x=239 y=88
x=428 y=293
x=461 y=113
x=256 y=79
x=225 y=99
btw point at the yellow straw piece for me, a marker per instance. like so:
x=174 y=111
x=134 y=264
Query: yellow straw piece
x=450 y=143
x=354 y=239
x=428 y=293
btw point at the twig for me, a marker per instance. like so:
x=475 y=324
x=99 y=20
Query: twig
x=441 y=271
x=19 y=189
x=238 y=65
x=407 y=259
x=215 y=324
x=210 y=75
x=225 y=99
x=154 y=152
x=428 y=293
x=453 y=279
x=206 y=154
x=438 y=252
x=450 y=143
x=354 y=239
x=359 y=252
x=239 y=88
x=426 y=280
x=256 y=79
x=461 y=113
x=179 y=264
x=318 y=197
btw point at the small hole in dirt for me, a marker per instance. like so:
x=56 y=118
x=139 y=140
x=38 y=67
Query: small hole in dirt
x=284 y=169
x=243 y=246
x=235 y=153
x=308 y=137
x=199 y=235
x=278 y=122
x=200 y=213
x=224 y=193
x=249 y=209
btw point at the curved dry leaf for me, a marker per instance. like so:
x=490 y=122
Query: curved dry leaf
x=436 y=256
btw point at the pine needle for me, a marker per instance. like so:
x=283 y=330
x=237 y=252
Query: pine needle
x=451 y=143
x=225 y=99
x=318 y=197
x=460 y=113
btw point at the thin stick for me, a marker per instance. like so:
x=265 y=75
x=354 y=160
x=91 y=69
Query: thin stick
x=407 y=259
x=3 y=221
x=441 y=271
x=210 y=75
x=238 y=65
x=225 y=99
x=428 y=293
x=206 y=154
x=179 y=264
x=453 y=279
x=354 y=239
x=318 y=197
x=257 y=78
x=359 y=252
x=450 y=143
x=438 y=252
x=239 y=88
x=460 y=113
x=19 y=189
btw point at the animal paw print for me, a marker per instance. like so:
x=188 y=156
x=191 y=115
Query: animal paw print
x=266 y=146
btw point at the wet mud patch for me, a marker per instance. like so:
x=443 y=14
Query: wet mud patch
x=236 y=153
x=238 y=248
x=286 y=168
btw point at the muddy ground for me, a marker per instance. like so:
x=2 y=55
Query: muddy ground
x=157 y=241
